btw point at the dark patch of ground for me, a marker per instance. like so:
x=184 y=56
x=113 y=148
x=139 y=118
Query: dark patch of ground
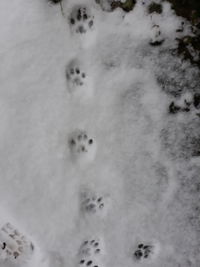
x=189 y=9
x=155 y=8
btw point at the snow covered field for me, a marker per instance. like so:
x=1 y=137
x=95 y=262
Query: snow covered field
x=95 y=170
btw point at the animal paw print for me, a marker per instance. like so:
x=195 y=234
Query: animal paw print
x=76 y=77
x=79 y=82
x=91 y=248
x=81 y=20
x=145 y=251
x=156 y=38
x=14 y=245
x=91 y=252
x=83 y=147
x=94 y=204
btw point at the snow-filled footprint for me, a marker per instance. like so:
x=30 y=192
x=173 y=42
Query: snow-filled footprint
x=91 y=253
x=94 y=204
x=82 y=147
x=156 y=36
x=79 y=81
x=82 y=23
x=14 y=246
x=146 y=252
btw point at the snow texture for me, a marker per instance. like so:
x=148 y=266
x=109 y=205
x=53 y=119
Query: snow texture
x=118 y=81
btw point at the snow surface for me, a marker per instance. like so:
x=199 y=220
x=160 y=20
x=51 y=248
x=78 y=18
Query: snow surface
x=144 y=162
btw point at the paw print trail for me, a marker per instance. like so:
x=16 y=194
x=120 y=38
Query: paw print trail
x=94 y=205
x=81 y=145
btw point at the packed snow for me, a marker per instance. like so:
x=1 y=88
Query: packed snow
x=99 y=137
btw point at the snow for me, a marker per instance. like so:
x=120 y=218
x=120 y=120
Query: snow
x=144 y=164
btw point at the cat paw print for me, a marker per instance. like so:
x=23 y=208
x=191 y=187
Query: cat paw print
x=82 y=147
x=94 y=204
x=156 y=38
x=14 y=246
x=91 y=253
x=145 y=252
x=92 y=248
x=75 y=75
x=81 y=20
x=78 y=80
x=83 y=25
